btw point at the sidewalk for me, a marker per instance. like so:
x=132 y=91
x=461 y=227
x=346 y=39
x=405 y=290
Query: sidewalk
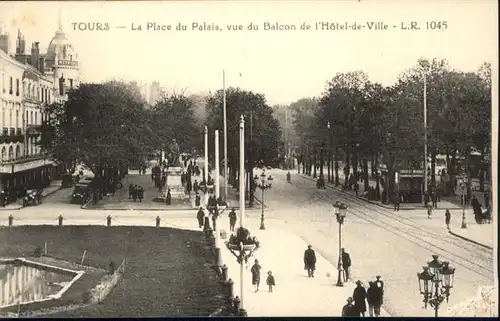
x=482 y=234
x=451 y=202
x=403 y=206
x=295 y=295
x=51 y=189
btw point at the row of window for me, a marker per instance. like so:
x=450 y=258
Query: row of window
x=31 y=118
x=42 y=94
x=14 y=154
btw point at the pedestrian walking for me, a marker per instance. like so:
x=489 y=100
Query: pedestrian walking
x=434 y=199
x=348 y=310
x=346 y=263
x=232 y=220
x=378 y=298
x=130 y=191
x=140 y=193
x=255 y=270
x=447 y=218
x=370 y=297
x=168 y=197
x=134 y=193
x=356 y=188
x=200 y=216
x=426 y=198
x=359 y=296
x=397 y=200
x=270 y=281
x=310 y=261
x=197 y=200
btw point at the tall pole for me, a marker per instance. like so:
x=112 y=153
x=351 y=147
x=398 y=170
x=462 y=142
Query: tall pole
x=226 y=172
x=242 y=199
x=339 y=276
x=425 y=135
x=206 y=163
x=217 y=225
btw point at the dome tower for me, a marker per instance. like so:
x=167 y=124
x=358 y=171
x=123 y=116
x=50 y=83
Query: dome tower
x=62 y=60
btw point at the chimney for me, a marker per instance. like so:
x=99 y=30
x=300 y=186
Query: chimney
x=41 y=64
x=35 y=55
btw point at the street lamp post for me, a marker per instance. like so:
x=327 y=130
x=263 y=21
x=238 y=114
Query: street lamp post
x=340 y=214
x=435 y=283
x=461 y=182
x=264 y=184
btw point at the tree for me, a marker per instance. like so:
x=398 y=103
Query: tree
x=174 y=118
x=103 y=126
x=262 y=131
x=285 y=115
x=304 y=122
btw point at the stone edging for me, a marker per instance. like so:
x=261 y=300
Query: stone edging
x=470 y=240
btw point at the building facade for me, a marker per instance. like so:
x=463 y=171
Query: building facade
x=29 y=82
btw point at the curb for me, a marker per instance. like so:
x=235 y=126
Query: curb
x=471 y=240
x=373 y=202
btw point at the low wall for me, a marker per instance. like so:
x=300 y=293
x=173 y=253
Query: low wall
x=100 y=292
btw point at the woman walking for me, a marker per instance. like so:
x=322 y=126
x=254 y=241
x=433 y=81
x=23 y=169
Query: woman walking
x=447 y=218
x=256 y=275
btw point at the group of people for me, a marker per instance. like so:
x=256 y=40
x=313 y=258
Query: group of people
x=135 y=192
x=374 y=296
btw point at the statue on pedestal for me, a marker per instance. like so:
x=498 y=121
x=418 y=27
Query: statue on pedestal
x=174 y=154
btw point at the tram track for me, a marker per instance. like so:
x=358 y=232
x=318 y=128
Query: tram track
x=474 y=258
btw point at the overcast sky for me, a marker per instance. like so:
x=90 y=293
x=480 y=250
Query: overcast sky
x=283 y=65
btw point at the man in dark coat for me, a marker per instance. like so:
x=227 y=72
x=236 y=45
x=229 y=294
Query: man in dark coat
x=371 y=297
x=397 y=200
x=197 y=200
x=200 y=216
x=309 y=261
x=348 y=310
x=346 y=264
x=140 y=193
x=359 y=296
x=378 y=295
x=232 y=220
x=168 y=198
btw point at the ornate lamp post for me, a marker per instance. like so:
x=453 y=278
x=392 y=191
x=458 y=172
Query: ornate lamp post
x=242 y=245
x=340 y=214
x=435 y=283
x=264 y=184
x=462 y=185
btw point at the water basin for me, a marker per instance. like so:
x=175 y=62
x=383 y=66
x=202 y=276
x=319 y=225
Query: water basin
x=22 y=282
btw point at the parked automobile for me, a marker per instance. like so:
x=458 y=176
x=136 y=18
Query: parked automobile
x=32 y=197
x=81 y=193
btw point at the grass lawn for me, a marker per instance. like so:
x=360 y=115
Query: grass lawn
x=165 y=272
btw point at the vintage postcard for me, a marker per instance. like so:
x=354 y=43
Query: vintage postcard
x=249 y=158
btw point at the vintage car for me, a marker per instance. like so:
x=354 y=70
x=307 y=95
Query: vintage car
x=32 y=197
x=81 y=193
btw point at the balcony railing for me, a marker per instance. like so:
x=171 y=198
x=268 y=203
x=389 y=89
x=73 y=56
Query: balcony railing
x=26 y=159
x=12 y=131
x=5 y=131
x=33 y=129
x=19 y=131
x=5 y=139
